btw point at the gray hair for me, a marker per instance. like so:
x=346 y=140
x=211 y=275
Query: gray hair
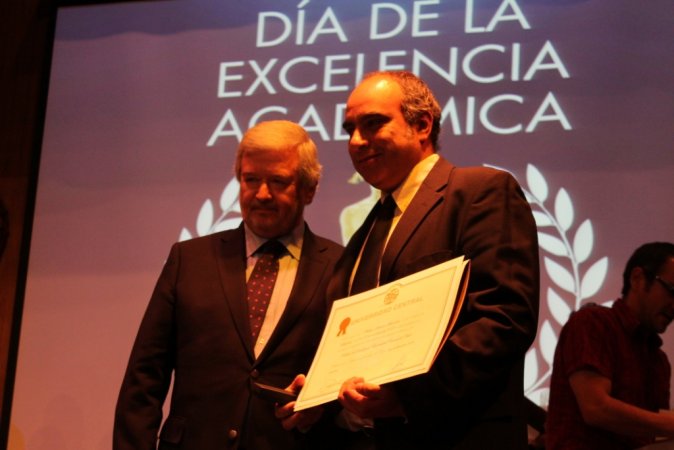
x=282 y=135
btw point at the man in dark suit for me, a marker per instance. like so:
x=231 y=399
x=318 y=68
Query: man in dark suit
x=198 y=327
x=472 y=398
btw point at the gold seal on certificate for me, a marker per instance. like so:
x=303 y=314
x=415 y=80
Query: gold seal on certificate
x=388 y=333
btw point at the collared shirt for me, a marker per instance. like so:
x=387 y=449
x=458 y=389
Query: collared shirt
x=611 y=342
x=404 y=193
x=403 y=196
x=288 y=264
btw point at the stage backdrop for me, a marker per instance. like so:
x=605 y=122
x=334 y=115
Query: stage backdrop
x=148 y=101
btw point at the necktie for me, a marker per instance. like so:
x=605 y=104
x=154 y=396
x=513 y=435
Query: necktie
x=261 y=283
x=367 y=274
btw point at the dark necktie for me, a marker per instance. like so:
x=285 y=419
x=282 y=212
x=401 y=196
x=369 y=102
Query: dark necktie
x=261 y=283
x=367 y=274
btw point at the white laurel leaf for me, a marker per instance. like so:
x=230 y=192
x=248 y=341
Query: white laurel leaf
x=184 y=235
x=537 y=184
x=236 y=207
x=559 y=308
x=560 y=275
x=228 y=224
x=583 y=241
x=548 y=342
x=564 y=209
x=229 y=195
x=205 y=218
x=542 y=220
x=530 y=368
x=594 y=278
x=552 y=244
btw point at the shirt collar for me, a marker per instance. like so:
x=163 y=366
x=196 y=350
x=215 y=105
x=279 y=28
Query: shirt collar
x=404 y=193
x=292 y=241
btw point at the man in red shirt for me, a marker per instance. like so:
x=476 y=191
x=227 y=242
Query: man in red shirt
x=610 y=379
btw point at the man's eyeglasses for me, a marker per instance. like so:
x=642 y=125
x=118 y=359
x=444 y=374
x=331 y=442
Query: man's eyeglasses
x=666 y=285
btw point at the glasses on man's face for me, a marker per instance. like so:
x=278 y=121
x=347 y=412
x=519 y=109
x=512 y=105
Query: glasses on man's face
x=668 y=286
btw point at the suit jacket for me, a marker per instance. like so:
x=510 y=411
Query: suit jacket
x=196 y=328
x=472 y=398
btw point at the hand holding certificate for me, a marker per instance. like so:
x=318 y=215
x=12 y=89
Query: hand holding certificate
x=388 y=333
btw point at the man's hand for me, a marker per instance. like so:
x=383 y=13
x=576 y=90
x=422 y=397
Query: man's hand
x=367 y=400
x=302 y=420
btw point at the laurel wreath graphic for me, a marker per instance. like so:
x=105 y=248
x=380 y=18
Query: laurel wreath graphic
x=566 y=250
x=229 y=218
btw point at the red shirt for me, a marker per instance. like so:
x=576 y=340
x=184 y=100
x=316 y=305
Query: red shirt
x=611 y=342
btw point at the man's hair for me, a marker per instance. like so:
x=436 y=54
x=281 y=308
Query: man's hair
x=650 y=257
x=418 y=99
x=278 y=135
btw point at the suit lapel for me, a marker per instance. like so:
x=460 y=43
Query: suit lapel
x=339 y=282
x=430 y=193
x=231 y=256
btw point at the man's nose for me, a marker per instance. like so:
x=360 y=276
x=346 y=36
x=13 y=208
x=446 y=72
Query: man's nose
x=357 y=139
x=263 y=192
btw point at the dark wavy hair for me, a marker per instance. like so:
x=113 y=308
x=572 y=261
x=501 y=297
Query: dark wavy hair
x=650 y=257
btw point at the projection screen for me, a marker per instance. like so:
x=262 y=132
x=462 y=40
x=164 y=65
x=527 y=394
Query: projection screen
x=147 y=102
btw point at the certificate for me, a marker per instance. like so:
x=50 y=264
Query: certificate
x=388 y=333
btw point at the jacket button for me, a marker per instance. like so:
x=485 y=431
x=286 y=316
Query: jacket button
x=255 y=374
x=232 y=434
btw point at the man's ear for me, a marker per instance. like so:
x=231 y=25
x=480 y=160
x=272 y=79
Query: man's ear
x=638 y=278
x=308 y=193
x=424 y=125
